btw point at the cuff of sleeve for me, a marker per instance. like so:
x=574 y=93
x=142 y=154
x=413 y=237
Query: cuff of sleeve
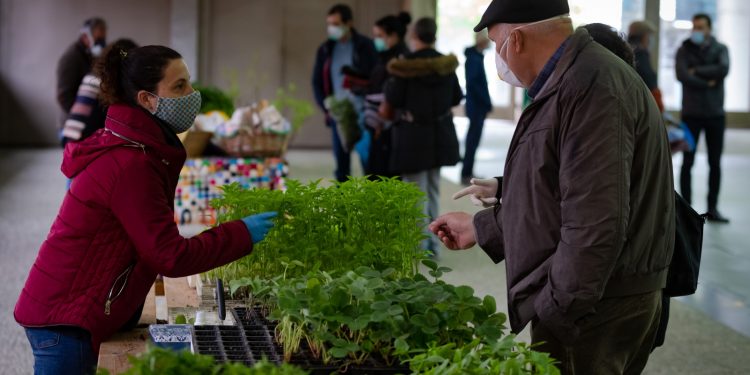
x=554 y=319
x=488 y=234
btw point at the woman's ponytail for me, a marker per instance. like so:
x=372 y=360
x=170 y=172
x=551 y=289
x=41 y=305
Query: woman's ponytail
x=110 y=67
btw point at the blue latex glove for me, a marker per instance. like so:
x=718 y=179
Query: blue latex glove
x=259 y=225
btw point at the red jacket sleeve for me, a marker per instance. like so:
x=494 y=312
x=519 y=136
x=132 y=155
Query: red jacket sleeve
x=139 y=202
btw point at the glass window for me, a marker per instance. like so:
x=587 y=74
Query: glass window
x=456 y=21
x=730 y=27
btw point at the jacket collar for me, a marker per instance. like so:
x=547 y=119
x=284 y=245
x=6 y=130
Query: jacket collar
x=576 y=43
x=136 y=126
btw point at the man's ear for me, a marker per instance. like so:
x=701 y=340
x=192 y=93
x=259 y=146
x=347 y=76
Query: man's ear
x=146 y=100
x=516 y=41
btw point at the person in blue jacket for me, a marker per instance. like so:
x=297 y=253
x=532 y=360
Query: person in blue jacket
x=342 y=64
x=478 y=102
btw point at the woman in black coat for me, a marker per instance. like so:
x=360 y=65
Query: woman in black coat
x=422 y=91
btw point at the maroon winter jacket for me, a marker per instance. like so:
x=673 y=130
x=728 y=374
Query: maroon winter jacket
x=115 y=231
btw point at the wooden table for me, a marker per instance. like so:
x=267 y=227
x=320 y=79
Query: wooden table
x=113 y=353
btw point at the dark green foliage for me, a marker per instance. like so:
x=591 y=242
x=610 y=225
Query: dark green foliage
x=214 y=99
x=367 y=311
x=158 y=361
x=355 y=223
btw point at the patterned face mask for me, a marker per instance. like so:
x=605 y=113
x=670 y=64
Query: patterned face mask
x=178 y=113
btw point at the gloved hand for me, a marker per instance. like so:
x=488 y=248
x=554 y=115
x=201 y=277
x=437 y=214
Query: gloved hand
x=259 y=225
x=482 y=192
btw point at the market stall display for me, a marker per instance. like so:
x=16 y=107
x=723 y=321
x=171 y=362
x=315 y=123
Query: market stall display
x=336 y=287
x=201 y=180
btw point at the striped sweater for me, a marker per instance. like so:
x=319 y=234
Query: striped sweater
x=87 y=114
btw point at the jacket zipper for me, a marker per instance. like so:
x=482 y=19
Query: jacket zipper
x=112 y=296
x=134 y=143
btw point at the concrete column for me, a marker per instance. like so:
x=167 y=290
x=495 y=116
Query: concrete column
x=732 y=29
x=421 y=8
x=652 y=15
x=184 y=33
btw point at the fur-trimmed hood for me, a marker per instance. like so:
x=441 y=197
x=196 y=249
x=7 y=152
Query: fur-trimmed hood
x=423 y=66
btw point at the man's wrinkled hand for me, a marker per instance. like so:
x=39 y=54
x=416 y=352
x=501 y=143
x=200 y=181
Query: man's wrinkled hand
x=455 y=230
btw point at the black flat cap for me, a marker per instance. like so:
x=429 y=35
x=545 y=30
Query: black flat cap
x=521 y=11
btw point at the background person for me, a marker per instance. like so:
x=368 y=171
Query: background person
x=88 y=112
x=76 y=62
x=115 y=230
x=389 y=35
x=478 y=103
x=702 y=64
x=422 y=92
x=345 y=47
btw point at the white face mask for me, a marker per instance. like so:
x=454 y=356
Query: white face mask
x=503 y=70
x=336 y=32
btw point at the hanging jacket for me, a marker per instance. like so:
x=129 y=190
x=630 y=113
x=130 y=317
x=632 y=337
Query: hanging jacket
x=588 y=207
x=423 y=89
x=115 y=231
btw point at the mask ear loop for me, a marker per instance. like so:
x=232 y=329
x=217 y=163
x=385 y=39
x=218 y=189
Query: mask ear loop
x=158 y=100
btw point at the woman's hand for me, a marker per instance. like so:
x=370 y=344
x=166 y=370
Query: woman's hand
x=259 y=225
x=455 y=230
x=482 y=192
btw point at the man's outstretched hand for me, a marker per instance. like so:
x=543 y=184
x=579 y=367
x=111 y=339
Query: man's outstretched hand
x=455 y=230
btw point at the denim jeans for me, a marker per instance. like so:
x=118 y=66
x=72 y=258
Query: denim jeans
x=61 y=350
x=429 y=182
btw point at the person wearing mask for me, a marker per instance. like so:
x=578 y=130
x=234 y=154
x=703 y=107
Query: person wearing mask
x=641 y=37
x=76 y=62
x=389 y=33
x=345 y=48
x=702 y=64
x=87 y=113
x=585 y=214
x=115 y=231
x=478 y=103
x=422 y=91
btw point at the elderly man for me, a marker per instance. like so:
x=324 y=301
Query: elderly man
x=76 y=62
x=586 y=217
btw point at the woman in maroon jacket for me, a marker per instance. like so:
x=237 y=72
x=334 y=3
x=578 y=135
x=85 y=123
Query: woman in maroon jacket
x=115 y=230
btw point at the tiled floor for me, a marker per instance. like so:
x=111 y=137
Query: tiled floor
x=708 y=331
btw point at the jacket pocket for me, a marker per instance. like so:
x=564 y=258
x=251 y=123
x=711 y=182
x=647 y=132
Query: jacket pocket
x=118 y=286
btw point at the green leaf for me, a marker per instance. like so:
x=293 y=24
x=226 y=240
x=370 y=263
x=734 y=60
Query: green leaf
x=489 y=304
x=431 y=264
x=401 y=346
x=381 y=305
x=464 y=292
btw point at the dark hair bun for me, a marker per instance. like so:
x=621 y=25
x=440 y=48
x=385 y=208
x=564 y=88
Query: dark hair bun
x=404 y=18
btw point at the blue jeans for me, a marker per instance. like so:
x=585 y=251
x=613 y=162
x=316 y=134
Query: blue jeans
x=61 y=350
x=428 y=182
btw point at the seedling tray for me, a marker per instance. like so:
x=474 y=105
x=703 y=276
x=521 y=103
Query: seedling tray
x=252 y=339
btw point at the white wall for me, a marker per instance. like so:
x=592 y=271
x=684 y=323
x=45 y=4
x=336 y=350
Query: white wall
x=274 y=40
x=35 y=33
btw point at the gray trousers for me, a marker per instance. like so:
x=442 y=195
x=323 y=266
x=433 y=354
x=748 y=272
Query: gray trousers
x=429 y=182
x=616 y=339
